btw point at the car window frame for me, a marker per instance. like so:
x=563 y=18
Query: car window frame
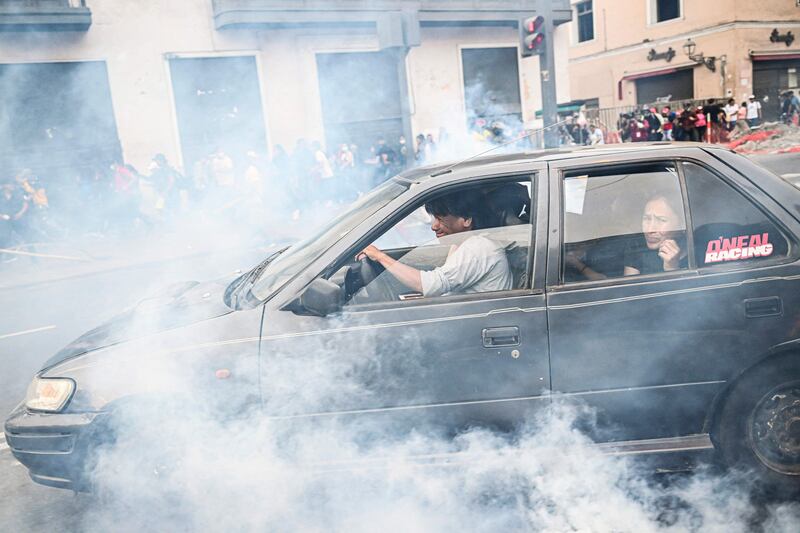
x=750 y=189
x=560 y=168
x=533 y=175
x=750 y=196
x=555 y=281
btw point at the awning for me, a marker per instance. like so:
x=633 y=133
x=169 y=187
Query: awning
x=650 y=74
x=774 y=55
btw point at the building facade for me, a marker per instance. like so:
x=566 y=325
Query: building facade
x=626 y=52
x=128 y=79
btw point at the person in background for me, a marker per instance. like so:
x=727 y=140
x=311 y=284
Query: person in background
x=731 y=114
x=323 y=173
x=741 y=118
x=638 y=129
x=386 y=161
x=167 y=181
x=402 y=153
x=654 y=125
x=714 y=113
x=254 y=175
x=345 y=169
x=754 y=112
x=668 y=119
x=430 y=144
x=688 y=122
x=420 y=153
x=595 y=135
x=789 y=107
x=624 y=127
x=126 y=190
x=701 y=124
x=13 y=207
x=796 y=105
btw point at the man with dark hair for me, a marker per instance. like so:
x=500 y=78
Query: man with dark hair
x=477 y=264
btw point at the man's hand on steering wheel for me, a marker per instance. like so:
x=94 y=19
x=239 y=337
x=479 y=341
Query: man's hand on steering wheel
x=371 y=252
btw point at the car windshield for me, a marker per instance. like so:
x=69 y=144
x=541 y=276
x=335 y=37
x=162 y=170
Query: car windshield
x=290 y=262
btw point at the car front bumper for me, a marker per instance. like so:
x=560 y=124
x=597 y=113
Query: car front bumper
x=54 y=446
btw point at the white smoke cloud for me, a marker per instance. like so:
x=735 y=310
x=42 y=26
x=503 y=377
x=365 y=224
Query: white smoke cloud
x=179 y=462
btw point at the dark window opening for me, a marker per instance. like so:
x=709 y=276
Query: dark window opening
x=360 y=96
x=56 y=119
x=676 y=86
x=667 y=10
x=218 y=106
x=491 y=85
x=585 y=21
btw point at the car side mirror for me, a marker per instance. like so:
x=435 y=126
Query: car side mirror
x=322 y=297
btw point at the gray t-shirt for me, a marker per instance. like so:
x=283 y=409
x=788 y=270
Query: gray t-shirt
x=478 y=265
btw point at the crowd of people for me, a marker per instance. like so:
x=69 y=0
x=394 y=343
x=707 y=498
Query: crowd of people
x=710 y=121
x=119 y=199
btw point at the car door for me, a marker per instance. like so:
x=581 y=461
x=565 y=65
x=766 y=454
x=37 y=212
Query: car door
x=650 y=352
x=445 y=362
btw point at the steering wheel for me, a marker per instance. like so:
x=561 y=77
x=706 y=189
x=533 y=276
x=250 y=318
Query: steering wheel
x=371 y=286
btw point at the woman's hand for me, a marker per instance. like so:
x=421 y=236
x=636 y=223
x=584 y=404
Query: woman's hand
x=670 y=253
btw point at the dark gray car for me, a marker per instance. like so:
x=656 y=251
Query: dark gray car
x=657 y=284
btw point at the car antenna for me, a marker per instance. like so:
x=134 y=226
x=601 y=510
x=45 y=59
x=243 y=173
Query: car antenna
x=493 y=148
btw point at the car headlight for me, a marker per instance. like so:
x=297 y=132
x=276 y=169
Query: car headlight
x=49 y=394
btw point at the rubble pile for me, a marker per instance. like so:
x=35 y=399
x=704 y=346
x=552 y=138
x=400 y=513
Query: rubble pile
x=772 y=138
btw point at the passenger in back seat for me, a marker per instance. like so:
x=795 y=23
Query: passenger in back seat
x=664 y=247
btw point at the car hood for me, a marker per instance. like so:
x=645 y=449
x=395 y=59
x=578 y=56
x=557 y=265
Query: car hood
x=176 y=306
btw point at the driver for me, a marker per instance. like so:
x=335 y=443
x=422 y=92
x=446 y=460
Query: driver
x=478 y=264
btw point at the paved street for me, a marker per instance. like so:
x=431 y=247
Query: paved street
x=787 y=165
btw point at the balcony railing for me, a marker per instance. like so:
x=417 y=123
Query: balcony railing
x=44 y=15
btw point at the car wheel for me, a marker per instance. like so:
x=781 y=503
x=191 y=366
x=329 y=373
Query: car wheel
x=759 y=428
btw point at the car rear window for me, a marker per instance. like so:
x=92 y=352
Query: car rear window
x=728 y=227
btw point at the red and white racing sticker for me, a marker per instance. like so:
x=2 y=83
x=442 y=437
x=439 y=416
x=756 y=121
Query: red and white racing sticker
x=738 y=248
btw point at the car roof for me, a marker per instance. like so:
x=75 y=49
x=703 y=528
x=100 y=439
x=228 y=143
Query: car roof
x=419 y=174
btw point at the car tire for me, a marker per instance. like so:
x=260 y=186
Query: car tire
x=759 y=425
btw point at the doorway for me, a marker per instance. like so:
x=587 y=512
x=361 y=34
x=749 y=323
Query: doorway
x=218 y=106
x=361 y=101
x=491 y=85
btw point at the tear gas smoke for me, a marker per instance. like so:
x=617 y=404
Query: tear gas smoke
x=180 y=461
x=178 y=466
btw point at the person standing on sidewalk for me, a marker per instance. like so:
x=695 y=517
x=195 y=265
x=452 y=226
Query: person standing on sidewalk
x=700 y=124
x=753 y=112
x=741 y=119
x=731 y=114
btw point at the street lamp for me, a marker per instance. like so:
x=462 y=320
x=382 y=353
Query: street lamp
x=710 y=62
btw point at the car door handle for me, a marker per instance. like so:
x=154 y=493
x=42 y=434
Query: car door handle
x=494 y=337
x=762 y=307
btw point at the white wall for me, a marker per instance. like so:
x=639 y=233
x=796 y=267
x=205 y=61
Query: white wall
x=135 y=38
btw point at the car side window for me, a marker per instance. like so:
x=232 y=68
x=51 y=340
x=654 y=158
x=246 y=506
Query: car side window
x=623 y=221
x=728 y=227
x=411 y=232
x=472 y=239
